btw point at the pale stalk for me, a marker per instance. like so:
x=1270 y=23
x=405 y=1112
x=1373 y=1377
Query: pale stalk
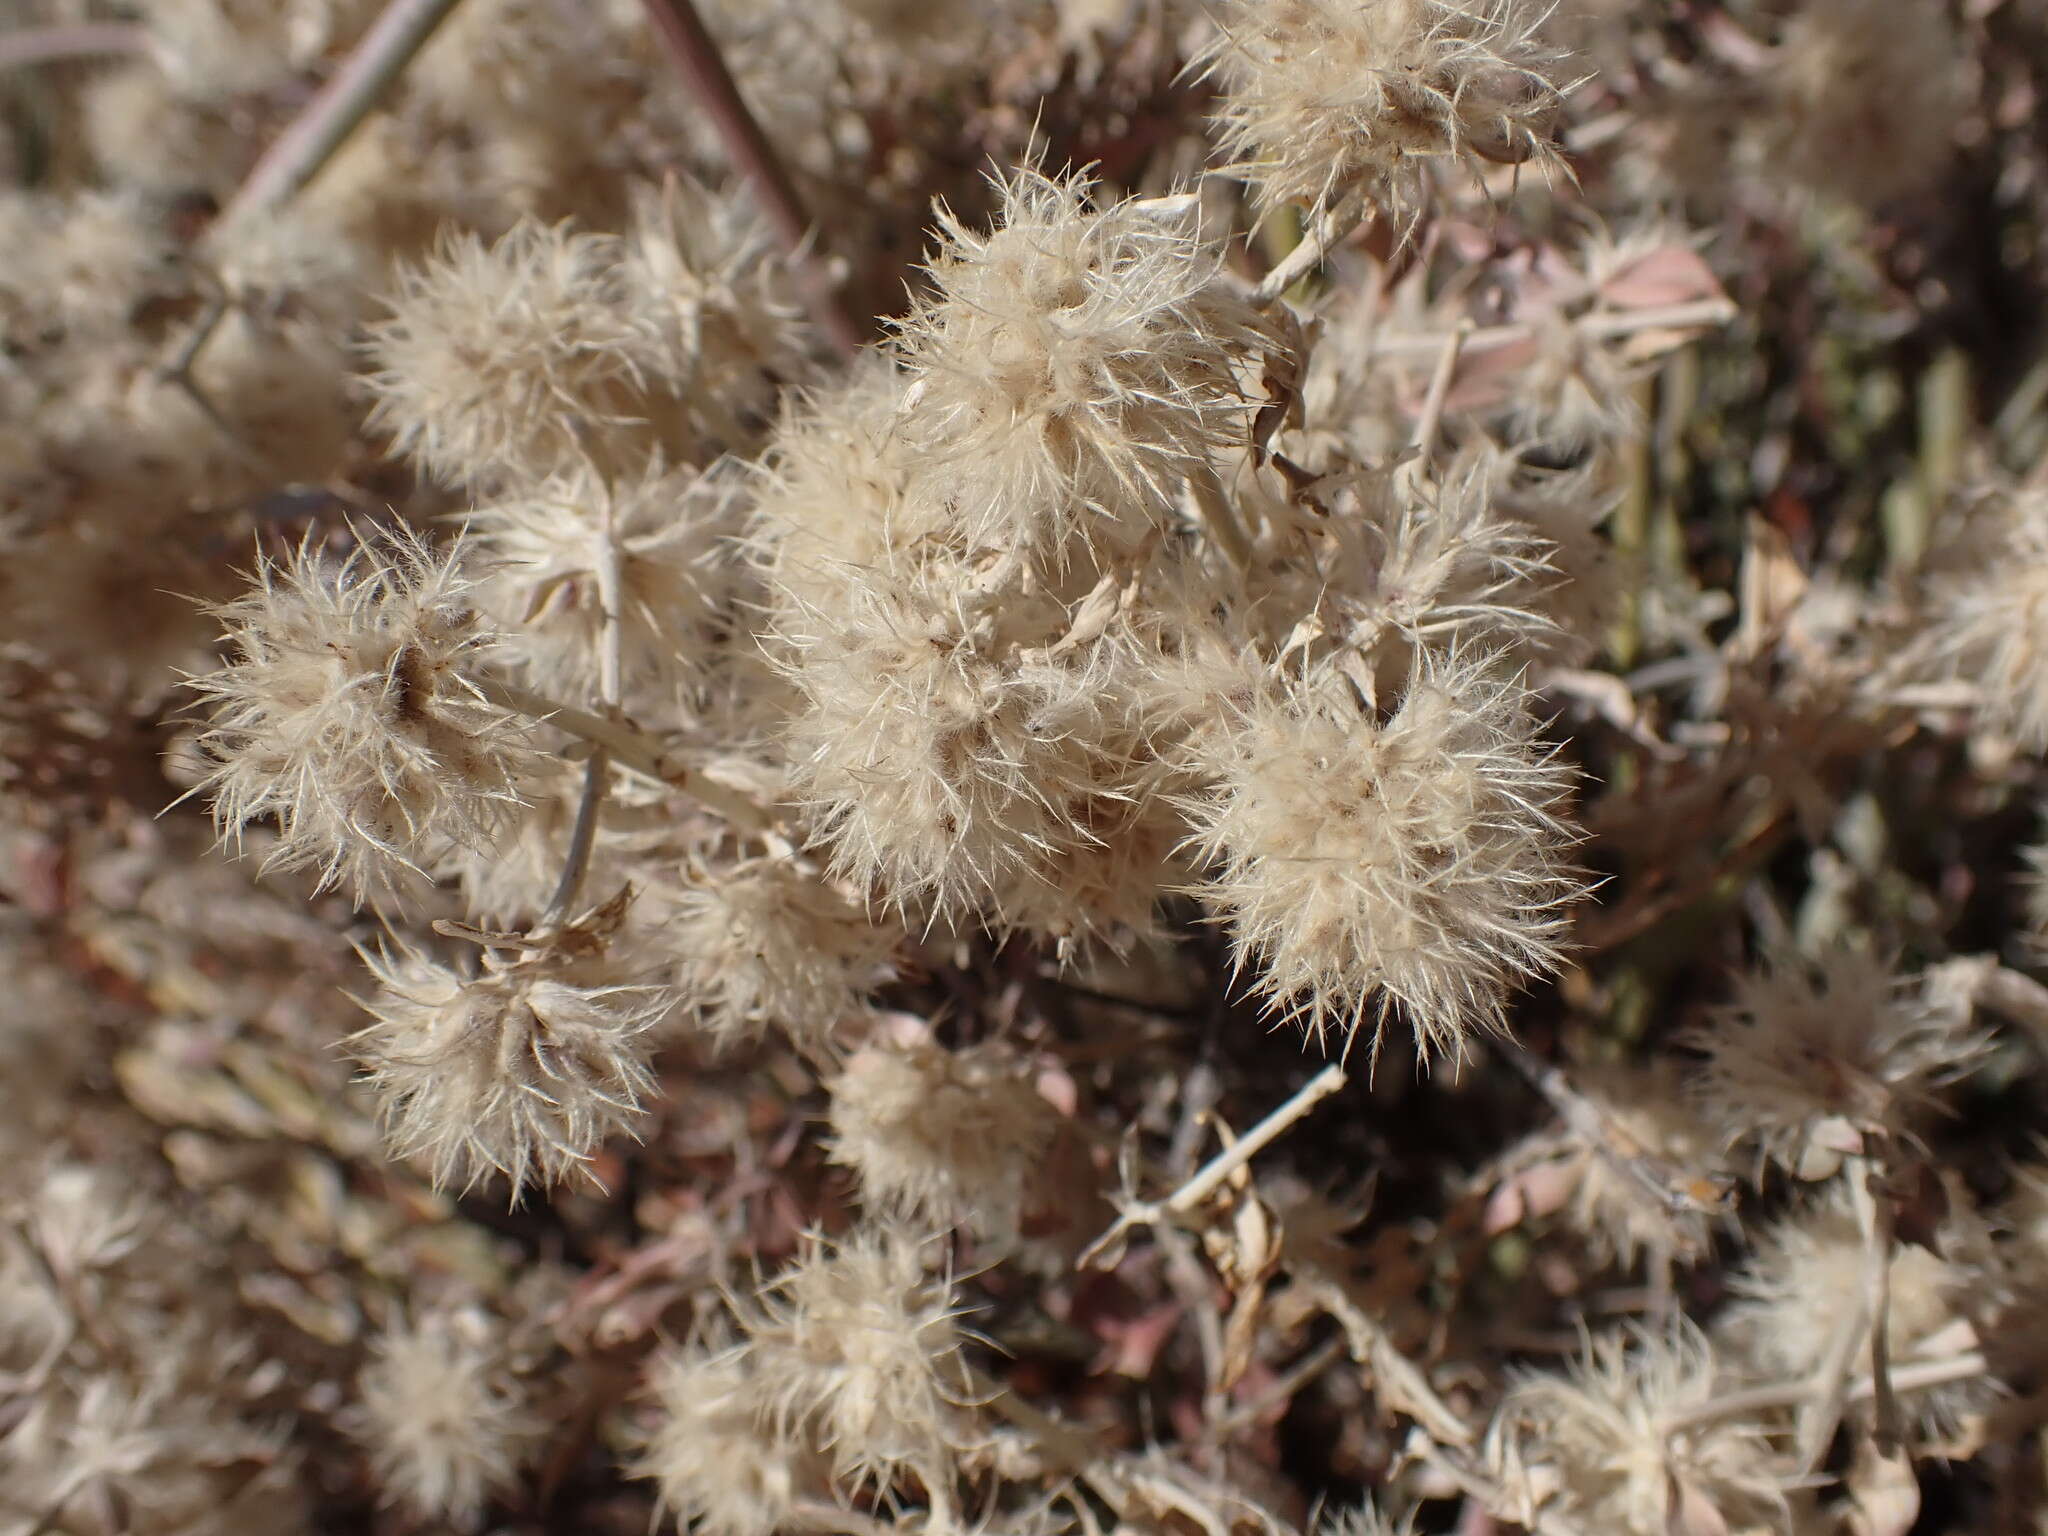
x=1917 y=1376
x=1210 y=1176
x=1318 y=238
x=1604 y=325
x=610 y=685
x=631 y=748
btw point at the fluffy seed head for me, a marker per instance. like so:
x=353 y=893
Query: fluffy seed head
x=722 y=1462
x=1594 y=1447
x=1990 y=625
x=347 y=711
x=538 y=556
x=522 y=1070
x=863 y=1349
x=1807 y=1062
x=1413 y=865
x=763 y=945
x=699 y=272
x=1792 y=1301
x=1865 y=98
x=944 y=764
x=444 y=1421
x=1074 y=365
x=1621 y=1219
x=1322 y=96
x=944 y=1138
x=517 y=360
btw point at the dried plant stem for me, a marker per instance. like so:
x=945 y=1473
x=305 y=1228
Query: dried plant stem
x=631 y=748
x=296 y=155
x=1917 y=1376
x=1398 y=1382
x=1677 y=1191
x=1220 y=518
x=1066 y=1446
x=1280 y=1391
x=1318 y=238
x=86 y=40
x=610 y=687
x=1430 y=422
x=1822 y=1412
x=1210 y=1176
x=1602 y=324
x=690 y=46
x=597 y=773
x=308 y=143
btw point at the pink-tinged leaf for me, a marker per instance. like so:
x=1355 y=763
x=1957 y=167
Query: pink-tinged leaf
x=1486 y=374
x=1132 y=1345
x=1532 y=1193
x=1884 y=1493
x=1669 y=274
x=1690 y=1512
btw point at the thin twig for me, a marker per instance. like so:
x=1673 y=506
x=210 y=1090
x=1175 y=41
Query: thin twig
x=1070 y=1447
x=86 y=40
x=1677 y=1192
x=631 y=748
x=296 y=155
x=597 y=773
x=694 y=51
x=1877 y=1281
x=1602 y=324
x=1918 y=1376
x=1431 y=421
x=1321 y=235
x=1210 y=1176
x=610 y=690
x=308 y=143
x=1281 y=1390
x=1821 y=1413
x=1220 y=517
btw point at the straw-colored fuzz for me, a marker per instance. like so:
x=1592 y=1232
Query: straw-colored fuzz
x=443 y=1419
x=1324 y=96
x=1606 y=1445
x=1412 y=867
x=1075 y=365
x=861 y=1347
x=522 y=1071
x=723 y=1464
x=347 y=712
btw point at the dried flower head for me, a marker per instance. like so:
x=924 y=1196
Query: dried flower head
x=520 y=359
x=539 y=555
x=1390 y=566
x=861 y=1348
x=1075 y=365
x=1804 y=1286
x=723 y=1462
x=944 y=1138
x=1864 y=98
x=1623 y=1220
x=1415 y=865
x=1323 y=96
x=444 y=1419
x=944 y=763
x=1990 y=623
x=1614 y=1443
x=349 y=711
x=1807 y=1063
x=763 y=944
x=521 y=1068
x=699 y=271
